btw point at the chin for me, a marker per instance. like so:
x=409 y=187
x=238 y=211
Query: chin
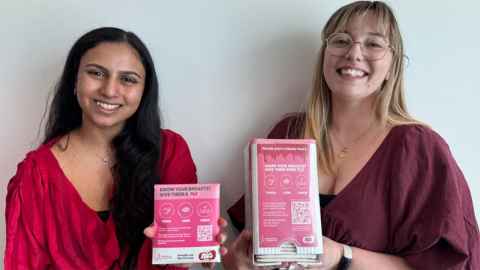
x=107 y=123
x=352 y=94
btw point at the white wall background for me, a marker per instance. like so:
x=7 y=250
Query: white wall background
x=230 y=69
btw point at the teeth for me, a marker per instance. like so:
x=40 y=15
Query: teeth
x=107 y=106
x=352 y=72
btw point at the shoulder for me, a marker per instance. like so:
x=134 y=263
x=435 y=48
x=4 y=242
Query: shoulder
x=174 y=146
x=423 y=160
x=418 y=131
x=38 y=158
x=291 y=126
x=32 y=171
x=176 y=163
x=173 y=140
x=420 y=137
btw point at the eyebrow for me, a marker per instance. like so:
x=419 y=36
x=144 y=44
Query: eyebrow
x=124 y=72
x=377 y=34
x=368 y=33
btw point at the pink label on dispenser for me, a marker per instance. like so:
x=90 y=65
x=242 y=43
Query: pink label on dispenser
x=284 y=196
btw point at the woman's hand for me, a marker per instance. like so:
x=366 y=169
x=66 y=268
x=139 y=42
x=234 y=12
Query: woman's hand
x=239 y=256
x=332 y=254
x=151 y=230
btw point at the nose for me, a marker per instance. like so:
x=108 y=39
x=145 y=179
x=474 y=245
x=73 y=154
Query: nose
x=111 y=87
x=355 y=52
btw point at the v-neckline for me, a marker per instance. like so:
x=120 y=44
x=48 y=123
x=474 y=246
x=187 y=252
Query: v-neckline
x=70 y=185
x=375 y=155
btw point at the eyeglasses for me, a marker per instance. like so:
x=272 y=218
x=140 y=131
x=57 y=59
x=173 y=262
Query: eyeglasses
x=373 y=47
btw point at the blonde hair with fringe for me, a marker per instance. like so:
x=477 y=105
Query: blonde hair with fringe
x=389 y=104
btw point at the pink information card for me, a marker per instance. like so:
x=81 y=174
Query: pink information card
x=187 y=220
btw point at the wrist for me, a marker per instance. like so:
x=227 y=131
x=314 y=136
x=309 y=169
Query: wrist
x=332 y=257
x=346 y=258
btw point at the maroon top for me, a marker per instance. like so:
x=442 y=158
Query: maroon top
x=50 y=227
x=410 y=200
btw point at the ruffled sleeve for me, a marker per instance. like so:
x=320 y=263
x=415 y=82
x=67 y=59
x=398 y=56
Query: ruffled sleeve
x=26 y=243
x=433 y=222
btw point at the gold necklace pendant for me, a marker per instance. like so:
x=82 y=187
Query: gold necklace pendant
x=345 y=148
x=343 y=153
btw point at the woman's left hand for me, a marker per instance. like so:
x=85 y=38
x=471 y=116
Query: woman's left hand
x=332 y=253
x=151 y=230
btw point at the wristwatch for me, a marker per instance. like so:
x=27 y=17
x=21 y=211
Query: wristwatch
x=346 y=259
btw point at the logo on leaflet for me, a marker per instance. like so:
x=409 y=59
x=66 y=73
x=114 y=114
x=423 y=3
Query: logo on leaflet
x=209 y=255
x=185 y=210
x=204 y=209
x=166 y=210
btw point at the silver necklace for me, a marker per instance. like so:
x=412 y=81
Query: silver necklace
x=105 y=160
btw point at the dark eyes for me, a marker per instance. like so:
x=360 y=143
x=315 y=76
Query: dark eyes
x=344 y=42
x=96 y=73
x=374 y=44
x=367 y=44
x=129 y=79
x=99 y=74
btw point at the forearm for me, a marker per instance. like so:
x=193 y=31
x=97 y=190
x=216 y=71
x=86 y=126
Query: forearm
x=365 y=259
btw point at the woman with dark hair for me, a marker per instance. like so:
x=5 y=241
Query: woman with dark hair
x=391 y=194
x=83 y=199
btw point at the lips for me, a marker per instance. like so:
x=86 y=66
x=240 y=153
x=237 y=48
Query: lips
x=106 y=106
x=352 y=72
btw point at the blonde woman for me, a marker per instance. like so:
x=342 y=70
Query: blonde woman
x=392 y=195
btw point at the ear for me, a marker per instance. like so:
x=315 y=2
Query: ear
x=75 y=85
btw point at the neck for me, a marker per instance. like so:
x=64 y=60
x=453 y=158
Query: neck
x=352 y=118
x=95 y=137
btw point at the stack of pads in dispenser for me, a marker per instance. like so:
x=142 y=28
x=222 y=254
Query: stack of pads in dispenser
x=282 y=202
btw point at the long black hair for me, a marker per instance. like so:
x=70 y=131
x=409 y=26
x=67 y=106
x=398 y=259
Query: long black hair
x=137 y=146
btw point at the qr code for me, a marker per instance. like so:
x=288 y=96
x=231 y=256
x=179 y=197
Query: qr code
x=301 y=213
x=204 y=233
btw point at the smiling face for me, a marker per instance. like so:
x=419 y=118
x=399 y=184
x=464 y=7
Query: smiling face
x=352 y=76
x=110 y=85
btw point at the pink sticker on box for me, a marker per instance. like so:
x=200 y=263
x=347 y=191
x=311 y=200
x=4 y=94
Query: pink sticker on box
x=282 y=179
x=284 y=197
